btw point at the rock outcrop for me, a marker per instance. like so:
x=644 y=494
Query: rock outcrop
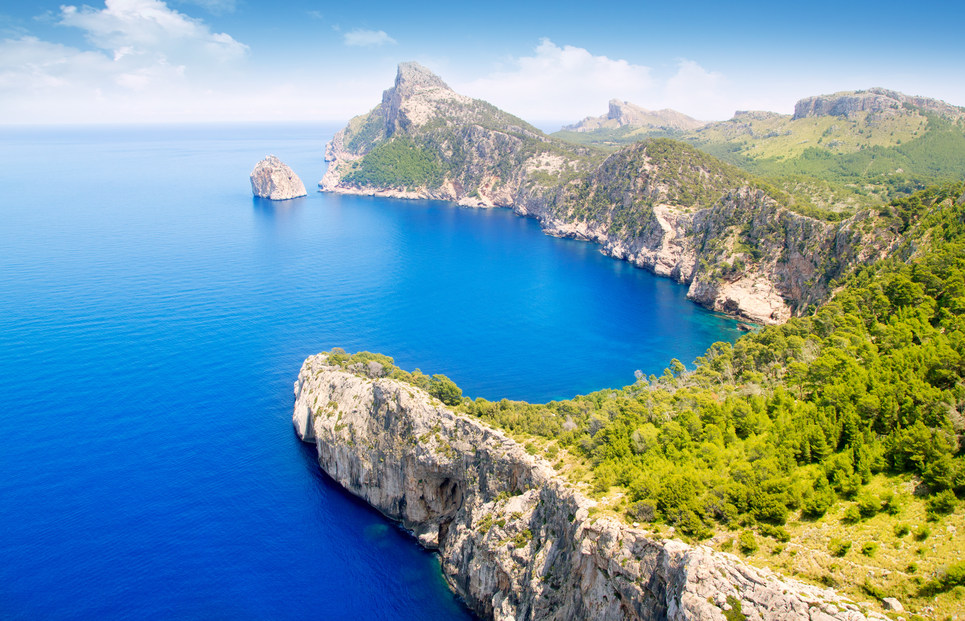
x=625 y=114
x=516 y=541
x=275 y=180
x=875 y=100
x=660 y=204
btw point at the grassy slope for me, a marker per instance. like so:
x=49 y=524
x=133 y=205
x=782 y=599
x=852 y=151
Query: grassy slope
x=826 y=163
x=613 y=139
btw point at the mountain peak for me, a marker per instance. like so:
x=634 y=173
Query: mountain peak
x=412 y=75
x=405 y=102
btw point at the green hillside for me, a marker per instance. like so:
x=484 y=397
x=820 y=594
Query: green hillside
x=829 y=447
x=815 y=447
x=616 y=138
x=829 y=163
x=895 y=158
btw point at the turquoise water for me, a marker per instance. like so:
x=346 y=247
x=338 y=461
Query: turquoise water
x=153 y=317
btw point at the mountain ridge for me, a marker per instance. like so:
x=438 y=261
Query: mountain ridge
x=877 y=99
x=836 y=153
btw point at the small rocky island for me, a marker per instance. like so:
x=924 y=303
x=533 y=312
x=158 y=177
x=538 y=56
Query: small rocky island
x=273 y=179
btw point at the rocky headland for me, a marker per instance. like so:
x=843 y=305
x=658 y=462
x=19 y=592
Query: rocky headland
x=273 y=179
x=516 y=540
x=659 y=204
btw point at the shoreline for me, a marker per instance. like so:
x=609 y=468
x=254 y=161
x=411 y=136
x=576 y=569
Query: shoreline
x=761 y=296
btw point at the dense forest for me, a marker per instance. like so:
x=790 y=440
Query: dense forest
x=828 y=414
x=398 y=163
x=795 y=416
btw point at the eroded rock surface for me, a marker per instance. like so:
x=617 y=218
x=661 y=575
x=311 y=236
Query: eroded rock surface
x=516 y=541
x=874 y=100
x=273 y=179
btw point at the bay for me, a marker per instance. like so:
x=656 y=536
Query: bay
x=153 y=317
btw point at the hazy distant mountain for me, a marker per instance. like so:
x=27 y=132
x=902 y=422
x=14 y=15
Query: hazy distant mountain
x=626 y=114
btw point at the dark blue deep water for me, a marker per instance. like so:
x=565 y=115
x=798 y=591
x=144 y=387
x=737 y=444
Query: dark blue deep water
x=153 y=317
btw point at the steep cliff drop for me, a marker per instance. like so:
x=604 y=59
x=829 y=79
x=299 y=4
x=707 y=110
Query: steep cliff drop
x=273 y=179
x=516 y=541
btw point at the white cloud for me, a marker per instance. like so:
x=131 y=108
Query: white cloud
x=367 y=38
x=29 y=64
x=697 y=92
x=569 y=83
x=561 y=83
x=46 y=82
x=149 y=27
x=147 y=62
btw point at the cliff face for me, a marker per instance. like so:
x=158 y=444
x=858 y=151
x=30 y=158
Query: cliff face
x=662 y=205
x=675 y=211
x=516 y=541
x=875 y=100
x=275 y=180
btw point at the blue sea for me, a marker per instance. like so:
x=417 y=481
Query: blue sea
x=153 y=317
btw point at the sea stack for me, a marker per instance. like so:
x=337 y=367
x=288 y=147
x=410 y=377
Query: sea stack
x=273 y=179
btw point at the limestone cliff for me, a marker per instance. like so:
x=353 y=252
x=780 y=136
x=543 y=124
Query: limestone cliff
x=879 y=101
x=660 y=204
x=516 y=541
x=274 y=180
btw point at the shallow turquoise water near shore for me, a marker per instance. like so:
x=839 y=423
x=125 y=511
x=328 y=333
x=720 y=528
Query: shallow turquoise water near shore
x=153 y=317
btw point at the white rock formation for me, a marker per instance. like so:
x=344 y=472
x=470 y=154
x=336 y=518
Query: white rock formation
x=273 y=179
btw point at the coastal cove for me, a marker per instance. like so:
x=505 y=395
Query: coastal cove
x=155 y=317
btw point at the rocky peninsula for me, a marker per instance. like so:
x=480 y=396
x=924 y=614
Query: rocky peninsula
x=659 y=204
x=275 y=180
x=516 y=540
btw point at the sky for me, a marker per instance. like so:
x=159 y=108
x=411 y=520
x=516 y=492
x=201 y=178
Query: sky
x=157 y=61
